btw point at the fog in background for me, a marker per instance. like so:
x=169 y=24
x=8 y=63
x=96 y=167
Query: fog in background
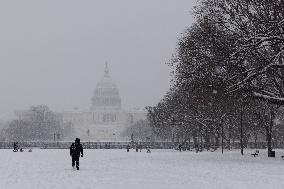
x=53 y=52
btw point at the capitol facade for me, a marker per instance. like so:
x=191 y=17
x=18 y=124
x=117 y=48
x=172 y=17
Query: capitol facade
x=106 y=120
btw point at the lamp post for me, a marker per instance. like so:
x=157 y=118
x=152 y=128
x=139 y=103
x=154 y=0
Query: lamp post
x=255 y=135
x=214 y=91
x=88 y=133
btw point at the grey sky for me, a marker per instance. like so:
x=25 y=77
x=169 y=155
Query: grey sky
x=53 y=52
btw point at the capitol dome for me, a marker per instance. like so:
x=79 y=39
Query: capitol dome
x=106 y=94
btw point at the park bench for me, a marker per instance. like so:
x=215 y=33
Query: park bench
x=255 y=153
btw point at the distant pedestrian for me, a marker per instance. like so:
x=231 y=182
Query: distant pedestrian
x=127 y=147
x=148 y=149
x=140 y=147
x=16 y=147
x=179 y=147
x=75 y=150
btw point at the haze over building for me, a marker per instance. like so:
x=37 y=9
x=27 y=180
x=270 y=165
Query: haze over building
x=106 y=120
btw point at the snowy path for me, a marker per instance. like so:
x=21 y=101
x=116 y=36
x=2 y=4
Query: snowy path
x=117 y=169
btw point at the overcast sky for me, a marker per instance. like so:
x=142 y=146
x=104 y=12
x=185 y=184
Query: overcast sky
x=53 y=52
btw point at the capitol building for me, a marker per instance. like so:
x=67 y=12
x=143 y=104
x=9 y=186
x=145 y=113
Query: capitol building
x=106 y=120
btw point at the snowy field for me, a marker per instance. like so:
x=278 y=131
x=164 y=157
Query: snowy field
x=117 y=169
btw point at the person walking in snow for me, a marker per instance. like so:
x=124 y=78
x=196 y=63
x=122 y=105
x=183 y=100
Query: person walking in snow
x=137 y=147
x=179 y=147
x=75 y=150
x=140 y=147
x=16 y=147
x=148 y=149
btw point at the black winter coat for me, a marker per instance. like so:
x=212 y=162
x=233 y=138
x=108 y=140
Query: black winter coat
x=76 y=149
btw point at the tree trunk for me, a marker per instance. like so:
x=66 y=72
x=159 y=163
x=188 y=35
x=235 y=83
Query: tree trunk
x=241 y=131
x=222 y=127
x=189 y=139
x=229 y=138
x=173 y=137
x=255 y=141
x=201 y=141
x=269 y=133
x=195 y=142
x=207 y=140
x=217 y=142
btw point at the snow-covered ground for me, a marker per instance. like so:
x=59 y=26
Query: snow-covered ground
x=117 y=169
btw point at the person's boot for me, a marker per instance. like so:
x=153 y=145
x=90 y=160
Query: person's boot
x=73 y=165
x=77 y=165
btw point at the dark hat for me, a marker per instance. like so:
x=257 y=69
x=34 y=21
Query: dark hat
x=77 y=140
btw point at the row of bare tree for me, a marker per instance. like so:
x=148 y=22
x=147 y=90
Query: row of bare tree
x=38 y=123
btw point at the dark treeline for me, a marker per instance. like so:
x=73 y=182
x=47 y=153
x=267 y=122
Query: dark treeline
x=228 y=77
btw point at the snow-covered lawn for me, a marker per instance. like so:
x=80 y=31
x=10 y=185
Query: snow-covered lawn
x=115 y=169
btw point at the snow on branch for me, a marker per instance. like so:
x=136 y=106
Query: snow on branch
x=281 y=22
x=274 y=100
x=273 y=64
